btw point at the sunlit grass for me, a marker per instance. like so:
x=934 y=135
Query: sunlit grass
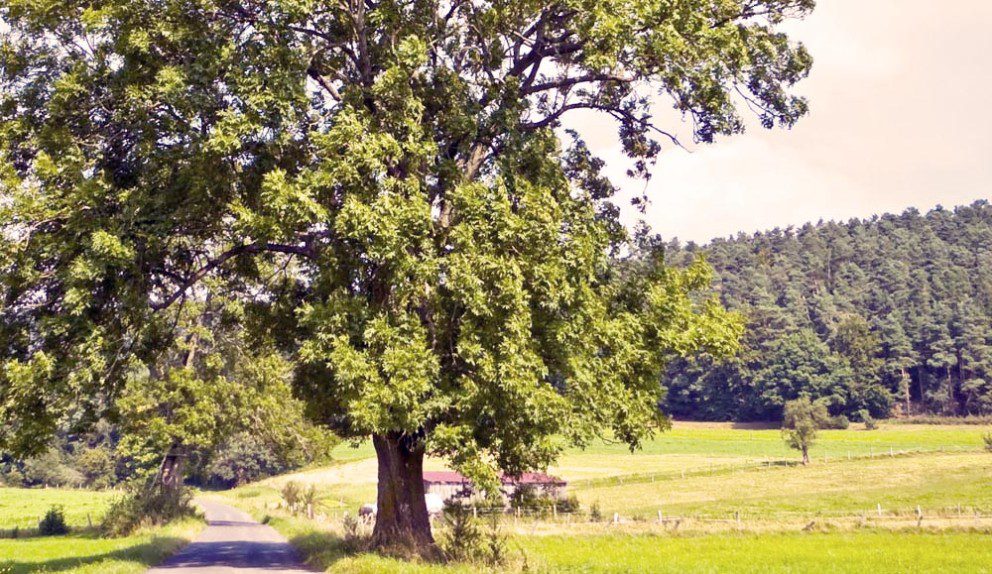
x=89 y=554
x=23 y=508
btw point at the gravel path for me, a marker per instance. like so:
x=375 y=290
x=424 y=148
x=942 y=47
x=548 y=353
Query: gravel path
x=234 y=542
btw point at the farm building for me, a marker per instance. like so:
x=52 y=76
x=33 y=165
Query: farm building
x=450 y=485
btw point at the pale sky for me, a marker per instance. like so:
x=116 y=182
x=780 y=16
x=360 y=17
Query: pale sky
x=901 y=115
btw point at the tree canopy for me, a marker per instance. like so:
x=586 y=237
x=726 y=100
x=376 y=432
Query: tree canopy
x=891 y=314
x=386 y=189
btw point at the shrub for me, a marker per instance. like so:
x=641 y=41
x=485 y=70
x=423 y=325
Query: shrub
x=357 y=535
x=291 y=492
x=987 y=437
x=595 y=514
x=463 y=539
x=151 y=505
x=299 y=499
x=870 y=422
x=53 y=524
x=839 y=422
x=308 y=500
x=568 y=504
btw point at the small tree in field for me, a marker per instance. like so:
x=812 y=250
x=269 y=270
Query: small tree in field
x=802 y=419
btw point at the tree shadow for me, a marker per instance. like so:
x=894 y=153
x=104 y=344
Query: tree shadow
x=756 y=425
x=147 y=553
x=320 y=549
x=235 y=554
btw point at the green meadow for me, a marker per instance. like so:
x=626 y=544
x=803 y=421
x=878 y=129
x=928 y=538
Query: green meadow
x=82 y=551
x=903 y=498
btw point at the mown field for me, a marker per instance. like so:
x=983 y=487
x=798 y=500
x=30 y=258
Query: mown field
x=732 y=499
x=82 y=551
x=715 y=469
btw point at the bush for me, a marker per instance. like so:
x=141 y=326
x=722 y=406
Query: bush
x=595 y=514
x=53 y=524
x=987 y=437
x=568 y=504
x=151 y=505
x=870 y=422
x=357 y=535
x=463 y=540
x=527 y=497
x=839 y=422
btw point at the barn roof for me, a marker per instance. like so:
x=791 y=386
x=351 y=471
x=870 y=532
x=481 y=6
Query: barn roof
x=450 y=477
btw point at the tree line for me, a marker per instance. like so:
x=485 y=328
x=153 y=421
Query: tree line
x=890 y=315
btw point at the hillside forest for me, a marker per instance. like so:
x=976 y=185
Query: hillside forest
x=885 y=316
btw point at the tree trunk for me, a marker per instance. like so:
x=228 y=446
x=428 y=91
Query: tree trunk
x=402 y=522
x=170 y=474
x=805 y=456
x=905 y=382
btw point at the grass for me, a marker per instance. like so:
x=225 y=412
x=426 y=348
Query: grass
x=868 y=550
x=933 y=481
x=23 y=508
x=713 y=473
x=88 y=554
x=878 y=552
x=82 y=551
x=639 y=482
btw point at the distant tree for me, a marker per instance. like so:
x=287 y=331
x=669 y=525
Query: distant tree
x=802 y=418
x=797 y=364
x=96 y=465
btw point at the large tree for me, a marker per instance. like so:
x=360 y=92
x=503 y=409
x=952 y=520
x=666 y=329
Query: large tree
x=385 y=186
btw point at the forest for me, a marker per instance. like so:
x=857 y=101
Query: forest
x=887 y=316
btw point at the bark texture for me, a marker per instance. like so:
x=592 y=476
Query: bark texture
x=402 y=522
x=173 y=466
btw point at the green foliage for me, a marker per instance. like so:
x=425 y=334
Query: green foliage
x=146 y=505
x=892 y=315
x=53 y=523
x=527 y=497
x=299 y=499
x=383 y=211
x=241 y=459
x=357 y=534
x=386 y=204
x=800 y=422
x=868 y=420
x=97 y=467
x=463 y=537
x=595 y=514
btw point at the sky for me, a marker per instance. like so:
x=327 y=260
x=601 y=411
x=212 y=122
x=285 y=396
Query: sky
x=900 y=116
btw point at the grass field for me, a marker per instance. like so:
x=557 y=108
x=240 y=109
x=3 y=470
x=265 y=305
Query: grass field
x=82 y=551
x=89 y=554
x=733 y=499
x=23 y=508
x=715 y=469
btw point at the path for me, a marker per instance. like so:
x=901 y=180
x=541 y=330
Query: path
x=233 y=542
